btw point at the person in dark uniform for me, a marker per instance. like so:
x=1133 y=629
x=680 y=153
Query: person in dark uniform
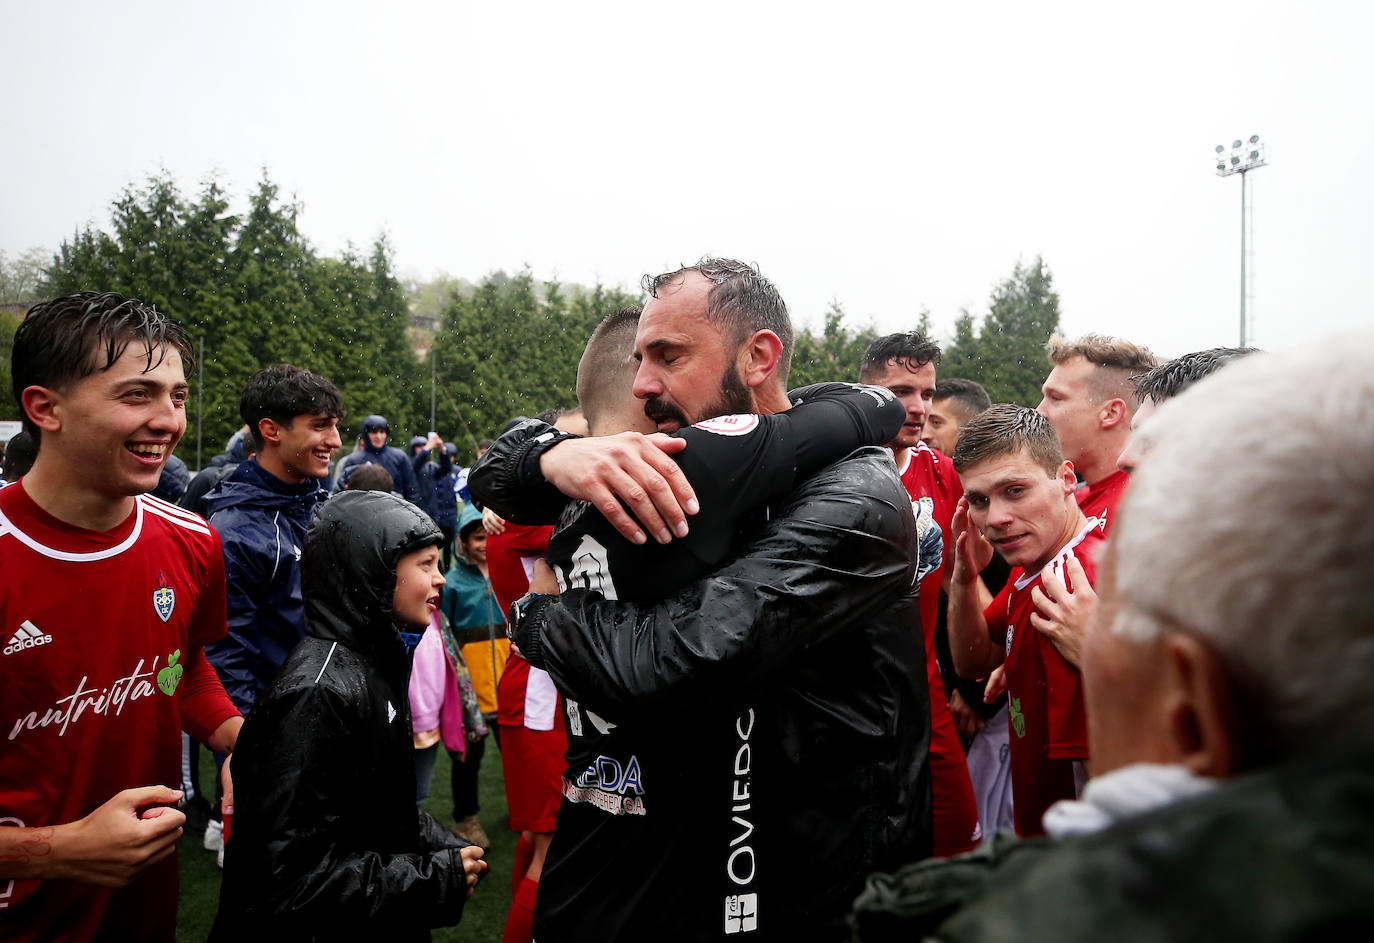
x=688 y=757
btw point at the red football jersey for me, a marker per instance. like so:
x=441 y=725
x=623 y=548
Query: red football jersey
x=102 y=638
x=510 y=560
x=930 y=479
x=1049 y=726
x=525 y=695
x=1100 y=500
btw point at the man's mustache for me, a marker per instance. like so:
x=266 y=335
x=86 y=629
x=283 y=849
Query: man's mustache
x=658 y=409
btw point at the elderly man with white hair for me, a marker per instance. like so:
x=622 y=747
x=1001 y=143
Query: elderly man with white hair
x=1227 y=680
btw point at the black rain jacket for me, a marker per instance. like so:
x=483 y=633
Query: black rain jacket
x=327 y=843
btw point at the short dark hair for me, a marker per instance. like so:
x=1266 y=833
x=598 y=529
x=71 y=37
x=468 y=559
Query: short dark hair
x=1005 y=429
x=72 y=337
x=740 y=302
x=606 y=370
x=1174 y=376
x=969 y=394
x=19 y=456
x=911 y=349
x=282 y=392
x=370 y=477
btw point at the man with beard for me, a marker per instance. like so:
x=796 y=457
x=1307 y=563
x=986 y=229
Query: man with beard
x=799 y=648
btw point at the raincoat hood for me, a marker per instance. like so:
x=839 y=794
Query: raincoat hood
x=372 y=424
x=348 y=569
x=469 y=516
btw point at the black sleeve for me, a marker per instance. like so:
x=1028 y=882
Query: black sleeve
x=739 y=463
x=732 y=469
x=838 y=554
x=290 y=774
x=507 y=478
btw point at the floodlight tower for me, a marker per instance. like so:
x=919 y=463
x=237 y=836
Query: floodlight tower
x=1244 y=157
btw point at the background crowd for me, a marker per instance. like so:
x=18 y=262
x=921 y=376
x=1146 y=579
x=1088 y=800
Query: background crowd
x=892 y=627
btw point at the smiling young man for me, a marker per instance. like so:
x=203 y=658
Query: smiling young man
x=1019 y=500
x=261 y=512
x=107 y=598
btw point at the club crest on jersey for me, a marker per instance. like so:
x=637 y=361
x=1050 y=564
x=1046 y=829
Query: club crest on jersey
x=730 y=425
x=164 y=598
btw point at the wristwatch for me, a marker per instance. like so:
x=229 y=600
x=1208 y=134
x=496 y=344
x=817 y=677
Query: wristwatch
x=528 y=607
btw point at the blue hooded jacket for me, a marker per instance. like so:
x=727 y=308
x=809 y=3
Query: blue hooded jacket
x=392 y=459
x=434 y=482
x=262 y=522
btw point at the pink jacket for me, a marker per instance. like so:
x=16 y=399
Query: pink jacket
x=435 y=700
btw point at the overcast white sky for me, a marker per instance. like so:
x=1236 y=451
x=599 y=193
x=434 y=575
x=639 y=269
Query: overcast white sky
x=888 y=155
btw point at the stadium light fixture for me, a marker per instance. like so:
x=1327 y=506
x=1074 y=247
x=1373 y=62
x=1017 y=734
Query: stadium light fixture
x=1244 y=157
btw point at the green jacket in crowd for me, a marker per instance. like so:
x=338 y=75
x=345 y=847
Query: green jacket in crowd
x=1283 y=854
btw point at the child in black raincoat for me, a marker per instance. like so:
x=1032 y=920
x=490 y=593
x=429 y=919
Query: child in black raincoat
x=326 y=840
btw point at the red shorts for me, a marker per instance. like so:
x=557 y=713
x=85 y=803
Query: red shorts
x=533 y=763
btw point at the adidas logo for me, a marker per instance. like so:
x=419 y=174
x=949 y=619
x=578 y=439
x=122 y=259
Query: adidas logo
x=28 y=636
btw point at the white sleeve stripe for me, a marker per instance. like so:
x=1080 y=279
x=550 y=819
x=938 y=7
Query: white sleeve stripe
x=276 y=554
x=326 y=662
x=199 y=528
x=171 y=509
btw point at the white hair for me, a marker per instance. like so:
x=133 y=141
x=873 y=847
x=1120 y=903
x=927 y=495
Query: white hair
x=1250 y=523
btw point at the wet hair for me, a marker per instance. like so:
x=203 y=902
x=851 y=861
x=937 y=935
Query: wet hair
x=484 y=444
x=970 y=397
x=911 y=349
x=19 y=456
x=1005 y=429
x=1118 y=359
x=550 y=415
x=606 y=371
x=283 y=392
x=1173 y=377
x=70 y=338
x=740 y=302
x=370 y=477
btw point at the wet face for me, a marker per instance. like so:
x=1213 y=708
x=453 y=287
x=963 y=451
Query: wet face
x=688 y=372
x=118 y=426
x=1138 y=444
x=418 y=584
x=1071 y=407
x=942 y=426
x=307 y=444
x=1023 y=511
x=377 y=438
x=915 y=388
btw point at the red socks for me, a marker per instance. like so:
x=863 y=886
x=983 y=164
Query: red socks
x=520 y=919
x=524 y=854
